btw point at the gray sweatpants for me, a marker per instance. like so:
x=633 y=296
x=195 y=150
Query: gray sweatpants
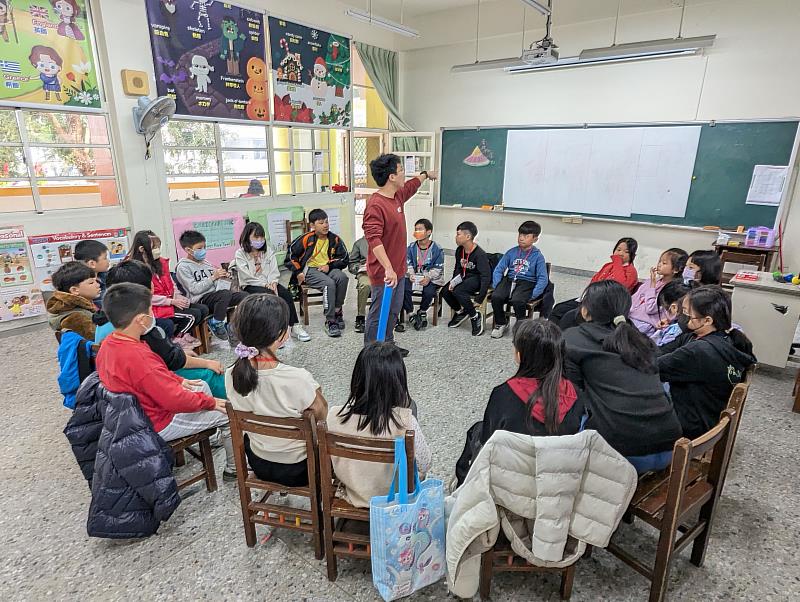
x=333 y=286
x=183 y=425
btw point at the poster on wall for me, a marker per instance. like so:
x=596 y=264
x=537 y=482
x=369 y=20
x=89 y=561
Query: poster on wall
x=209 y=56
x=274 y=222
x=18 y=296
x=50 y=251
x=46 y=53
x=222 y=234
x=311 y=74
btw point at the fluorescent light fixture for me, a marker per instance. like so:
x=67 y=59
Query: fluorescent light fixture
x=650 y=48
x=372 y=19
x=488 y=65
x=574 y=61
x=537 y=6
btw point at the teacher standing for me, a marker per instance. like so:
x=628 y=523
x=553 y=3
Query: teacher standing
x=385 y=230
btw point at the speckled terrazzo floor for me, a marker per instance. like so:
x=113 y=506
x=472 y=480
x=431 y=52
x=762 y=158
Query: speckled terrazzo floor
x=200 y=553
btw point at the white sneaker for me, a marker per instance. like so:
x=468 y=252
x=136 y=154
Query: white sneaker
x=300 y=333
x=498 y=332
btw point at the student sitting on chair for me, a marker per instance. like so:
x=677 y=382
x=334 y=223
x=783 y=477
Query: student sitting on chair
x=615 y=365
x=94 y=254
x=645 y=309
x=425 y=261
x=317 y=259
x=357 y=264
x=379 y=406
x=703 y=267
x=72 y=305
x=620 y=269
x=175 y=406
x=670 y=302
x=206 y=284
x=258 y=272
x=260 y=383
x=520 y=277
x=472 y=276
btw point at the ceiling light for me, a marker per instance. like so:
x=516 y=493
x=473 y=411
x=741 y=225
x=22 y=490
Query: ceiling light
x=538 y=6
x=574 y=61
x=488 y=65
x=392 y=26
x=649 y=48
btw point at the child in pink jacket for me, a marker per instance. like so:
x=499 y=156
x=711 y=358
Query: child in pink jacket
x=645 y=311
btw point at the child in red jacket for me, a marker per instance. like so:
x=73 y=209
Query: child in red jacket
x=167 y=302
x=620 y=268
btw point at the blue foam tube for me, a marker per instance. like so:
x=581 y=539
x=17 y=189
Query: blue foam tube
x=383 y=317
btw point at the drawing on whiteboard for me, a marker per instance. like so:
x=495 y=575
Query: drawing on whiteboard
x=481 y=156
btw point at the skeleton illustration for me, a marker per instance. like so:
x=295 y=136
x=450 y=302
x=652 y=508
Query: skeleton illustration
x=202 y=12
x=199 y=70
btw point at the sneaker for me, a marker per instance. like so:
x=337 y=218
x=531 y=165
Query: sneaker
x=403 y=352
x=340 y=320
x=332 y=329
x=231 y=335
x=415 y=321
x=360 y=324
x=300 y=333
x=229 y=476
x=477 y=325
x=499 y=331
x=219 y=329
x=399 y=327
x=423 y=319
x=458 y=319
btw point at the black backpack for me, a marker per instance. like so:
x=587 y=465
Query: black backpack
x=494 y=259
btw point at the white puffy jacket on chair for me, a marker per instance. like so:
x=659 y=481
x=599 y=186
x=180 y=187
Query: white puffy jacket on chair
x=543 y=491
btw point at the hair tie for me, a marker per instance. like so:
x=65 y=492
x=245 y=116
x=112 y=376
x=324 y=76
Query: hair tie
x=619 y=320
x=245 y=352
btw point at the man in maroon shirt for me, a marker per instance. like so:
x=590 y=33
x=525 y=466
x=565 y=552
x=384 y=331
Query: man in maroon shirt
x=385 y=230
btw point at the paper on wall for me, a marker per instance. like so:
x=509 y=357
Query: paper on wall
x=276 y=227
x=766 y=186
x=18 y=297
x=410 y=165
x=334 y=220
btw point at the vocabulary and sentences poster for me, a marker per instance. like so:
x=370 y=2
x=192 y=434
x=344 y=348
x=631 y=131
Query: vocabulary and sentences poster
x=18 y=297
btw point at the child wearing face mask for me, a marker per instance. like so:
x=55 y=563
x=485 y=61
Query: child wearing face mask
x=257 y=267
x=206 y=284
x=646 y=313
x=425 y=261
x=168 y=304
x=703 y=267
x=669 y=302
x=176 y=407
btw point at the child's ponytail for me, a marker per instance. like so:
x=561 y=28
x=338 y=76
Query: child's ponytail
x=244 y=374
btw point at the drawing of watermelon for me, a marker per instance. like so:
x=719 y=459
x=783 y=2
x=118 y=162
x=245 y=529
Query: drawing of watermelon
x=477 y=159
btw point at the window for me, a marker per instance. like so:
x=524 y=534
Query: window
x=207 y=160
x=309 y=160
x=53 y=160
x=368 y=109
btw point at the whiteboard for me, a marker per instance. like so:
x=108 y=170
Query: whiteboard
x=601 y=171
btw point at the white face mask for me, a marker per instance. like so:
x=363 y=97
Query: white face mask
x=151 y=327
x=157 y=253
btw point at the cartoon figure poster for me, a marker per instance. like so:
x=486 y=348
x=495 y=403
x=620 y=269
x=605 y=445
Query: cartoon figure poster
x=46 y=55
x=18 y=297
x=311 y=74
x=209 y=56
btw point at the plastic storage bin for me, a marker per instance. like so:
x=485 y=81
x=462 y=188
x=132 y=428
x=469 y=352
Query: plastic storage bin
x=761 y=237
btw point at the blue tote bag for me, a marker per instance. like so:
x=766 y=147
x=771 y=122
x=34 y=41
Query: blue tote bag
x=406 y=532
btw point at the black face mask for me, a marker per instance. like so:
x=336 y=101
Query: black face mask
x=683 y=324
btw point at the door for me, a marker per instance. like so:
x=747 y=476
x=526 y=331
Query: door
x=418 y=151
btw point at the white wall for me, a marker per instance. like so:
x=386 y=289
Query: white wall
x=750 y=73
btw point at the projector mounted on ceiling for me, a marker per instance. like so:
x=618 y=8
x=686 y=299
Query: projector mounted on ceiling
x=543 y=52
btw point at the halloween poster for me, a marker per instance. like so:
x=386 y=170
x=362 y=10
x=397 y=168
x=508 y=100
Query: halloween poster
x=46 y=54
x=311 y=74
x=209 y=56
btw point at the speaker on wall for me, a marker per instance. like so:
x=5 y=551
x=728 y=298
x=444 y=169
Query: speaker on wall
x=135 y=83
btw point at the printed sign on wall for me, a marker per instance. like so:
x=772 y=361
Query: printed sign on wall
x=46 y=54
x=209 y=56
x=311 y=74
x=18 y=297
x=222 y=234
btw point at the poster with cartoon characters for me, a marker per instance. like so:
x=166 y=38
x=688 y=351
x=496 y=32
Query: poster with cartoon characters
x=18 y=297
x=50 y=251
x=209 y=56
x=46 y=55
x=310 y=74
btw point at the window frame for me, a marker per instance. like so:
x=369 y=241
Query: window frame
x=291 y=150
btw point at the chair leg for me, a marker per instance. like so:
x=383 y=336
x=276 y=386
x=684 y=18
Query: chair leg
x=664 y=552
x=588 y=552
x=436 y=311
x=208 y=464
x=180 y=458
x=249 y=526
x=567 y=577
x=486 y=574
x=330 y=557
x=796 y=393
x=317 y=520
x=304 y=303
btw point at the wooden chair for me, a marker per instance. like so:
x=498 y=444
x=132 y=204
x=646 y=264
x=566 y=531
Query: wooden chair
x=670 y=500
x=260 y=510
x=533 y=304
x=206 y=458
x=347 y=527
x=502 y=559
x=291 y=226
x=416 y=297
x=308 y=298
x=757 y=261
x=796 y=393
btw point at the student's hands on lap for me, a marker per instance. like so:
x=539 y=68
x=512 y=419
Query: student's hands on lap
x=301 y=278
x=180 y=302
x=191 y=385
x=324 y=269
x=425 y=281
x=219 y=273
x=215 y=366
x=219 y=405
x=273 y=286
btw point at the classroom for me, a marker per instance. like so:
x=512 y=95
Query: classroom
x=400 y=299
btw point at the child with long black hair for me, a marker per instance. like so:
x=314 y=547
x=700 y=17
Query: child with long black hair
x=258 y=272
x=615 y=365
x=703 y=267
x=646 y=313
x=379 y=406
x=670 y=302
x=259 y=382
x=703 y=368
x=538 y=400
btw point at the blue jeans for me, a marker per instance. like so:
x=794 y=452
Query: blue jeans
x=644 y=464
x=429 y=292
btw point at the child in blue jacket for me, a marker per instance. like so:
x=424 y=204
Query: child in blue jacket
x=425 y=261
x=520 y=276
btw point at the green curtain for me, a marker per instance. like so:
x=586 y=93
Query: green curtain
x=381 y=66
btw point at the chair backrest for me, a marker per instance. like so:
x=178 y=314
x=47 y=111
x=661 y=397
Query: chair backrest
x=744 y=258
x=366 y=449
x=291 y=226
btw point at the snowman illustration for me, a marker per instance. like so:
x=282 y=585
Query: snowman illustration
x=319 y=87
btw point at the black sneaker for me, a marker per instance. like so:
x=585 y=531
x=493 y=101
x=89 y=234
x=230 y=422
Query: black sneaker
x=458 y=319
x=399 y=327
x=423 y=319
x=359 y=326
x=477 y=324
x=340 y=320
x=403 y=352
x=414 y=320
x=228 y=476
x=332 y=329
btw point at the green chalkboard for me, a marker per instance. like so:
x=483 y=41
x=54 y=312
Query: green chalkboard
x=726 y=156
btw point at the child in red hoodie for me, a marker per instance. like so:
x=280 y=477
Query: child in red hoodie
x=620 y=268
